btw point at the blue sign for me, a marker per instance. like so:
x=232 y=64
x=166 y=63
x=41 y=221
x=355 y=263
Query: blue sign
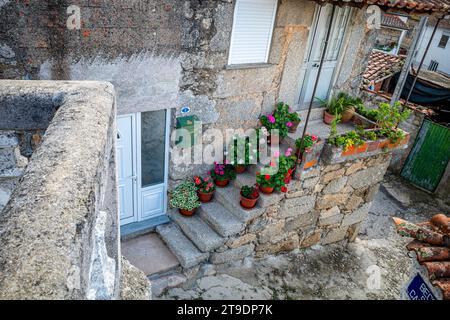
x=419 y=290
x=185 y=110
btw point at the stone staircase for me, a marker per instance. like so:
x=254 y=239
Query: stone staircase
x=194 y=240
x=11 y=165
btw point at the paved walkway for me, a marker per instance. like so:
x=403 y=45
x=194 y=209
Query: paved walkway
x=376 y=266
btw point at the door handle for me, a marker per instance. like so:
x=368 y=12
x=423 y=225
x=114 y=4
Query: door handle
x=316 y=65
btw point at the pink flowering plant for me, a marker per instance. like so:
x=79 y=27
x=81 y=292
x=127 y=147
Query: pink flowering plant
x=308 y=142
x=204 y=185
x=223 y=172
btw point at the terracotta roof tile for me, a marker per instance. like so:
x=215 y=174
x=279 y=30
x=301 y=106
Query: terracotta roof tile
x=407 y=5
x=382 y=65
x=432 y=248
x=393 y=21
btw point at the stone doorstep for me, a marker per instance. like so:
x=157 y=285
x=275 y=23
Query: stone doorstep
x=265 y=200
x=220 y=219
x=204 y=238
x=229 y=198
x=11 y=173
x=8 y=139
x=185 y=251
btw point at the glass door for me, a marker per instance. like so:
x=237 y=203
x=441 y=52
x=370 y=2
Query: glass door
x=153 y=136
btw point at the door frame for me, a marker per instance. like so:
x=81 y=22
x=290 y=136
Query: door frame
x=134 y=174
x=137 y=159
x=302 y=84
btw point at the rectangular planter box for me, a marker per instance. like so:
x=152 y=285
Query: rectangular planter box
x=333 y=154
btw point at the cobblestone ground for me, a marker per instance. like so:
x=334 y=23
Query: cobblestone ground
x=340 y=271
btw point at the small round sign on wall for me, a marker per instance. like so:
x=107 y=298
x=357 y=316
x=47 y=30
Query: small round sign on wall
x=185 y=110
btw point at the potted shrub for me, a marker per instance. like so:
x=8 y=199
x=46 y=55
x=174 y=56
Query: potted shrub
x=185 y=198
x=278 y=120
x=268 y=183
x=308 y=143
x=242 y=158
x=293 y=122
x=350 y=104
x=249 y=196
x=371 y=138
x=205 y=188
x=222 y=174
x=333 y=108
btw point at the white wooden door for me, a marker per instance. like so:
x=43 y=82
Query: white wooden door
x=126 y=169
x=316 y=44
x=153 y=137
x=142 y=153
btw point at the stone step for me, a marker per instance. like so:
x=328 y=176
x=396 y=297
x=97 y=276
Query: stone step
x=7 y=158
x=185 y=251
x=220 y=219
x=265 y=200
x=198 y=231
x=229 y=197
x=8 y=139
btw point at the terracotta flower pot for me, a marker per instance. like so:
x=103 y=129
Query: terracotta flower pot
x=294 y=127
x=222 y=183
x=187 y=213
x=240 y=168
x=328 y=118
x=383 y=144
x=266 y=190
x=205 y=197
x=248 y=203
x=348 y=114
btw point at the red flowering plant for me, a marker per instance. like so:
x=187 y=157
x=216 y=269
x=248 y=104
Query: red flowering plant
x=223 y=172
x=276 y=181
x=308 y=142
x=204 y=185
x=250 y=192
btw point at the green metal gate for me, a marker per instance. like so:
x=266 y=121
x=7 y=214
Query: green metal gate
x=429 y=156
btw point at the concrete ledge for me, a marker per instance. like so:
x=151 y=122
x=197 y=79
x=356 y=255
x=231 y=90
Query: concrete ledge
x=59 y=232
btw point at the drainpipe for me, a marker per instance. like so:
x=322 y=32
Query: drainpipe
x=422 y=61
x=319 y=71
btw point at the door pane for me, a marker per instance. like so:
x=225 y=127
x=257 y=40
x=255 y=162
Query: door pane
x=153 y=141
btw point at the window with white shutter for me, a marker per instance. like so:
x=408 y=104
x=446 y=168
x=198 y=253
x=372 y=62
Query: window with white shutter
x=252 y=31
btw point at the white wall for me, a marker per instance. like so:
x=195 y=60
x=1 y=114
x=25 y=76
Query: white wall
x=435 y=53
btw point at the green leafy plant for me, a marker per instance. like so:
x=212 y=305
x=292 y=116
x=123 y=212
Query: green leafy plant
x=349 y=100
x=370 y=114
x=250 y=192
x=395 y=135
x=389 y=117
x=308 y=142
x=185 y=196
x=347 y=140
x=278 y=120
x=276 y=181
x=204 y=185
x=249 y=154
x=223 y=172
x=370 y=135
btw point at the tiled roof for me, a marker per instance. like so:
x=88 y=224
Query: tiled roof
x=432 y=248
x=382 y=65
x=407 y=5
x=393 y=21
